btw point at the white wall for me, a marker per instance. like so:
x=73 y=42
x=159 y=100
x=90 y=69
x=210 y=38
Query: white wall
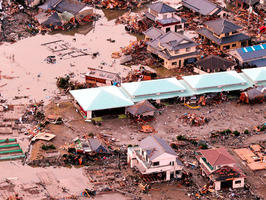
x=239 y=185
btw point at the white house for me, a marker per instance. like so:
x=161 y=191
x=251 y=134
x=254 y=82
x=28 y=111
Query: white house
x=221 y=168
x=155 y=157
x=165 y=17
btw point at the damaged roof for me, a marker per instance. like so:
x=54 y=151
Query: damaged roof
x=141 y=108
x=226 y=173
x=71 y=6
x=203 y=7
x=53 y=20
x=101 y=98
x=221 y=26
x=160 y=7
x=213 y=62
x=156 y=147
x=219 y=156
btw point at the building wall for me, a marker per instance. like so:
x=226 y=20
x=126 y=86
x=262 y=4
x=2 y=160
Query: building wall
x=239 y=185
x=176 y=63
x=183 y=51
x=237 y=45
x=164 y=161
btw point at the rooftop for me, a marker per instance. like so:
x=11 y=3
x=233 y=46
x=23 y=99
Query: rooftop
x=220 y=26
x=216 y=157
x=101 y=98
x=97 y=73
x=252 y=52
x=152 y=87
x=256 y=74
x=153 y=33
x=224 y=40
x=155 y=147
x=160 y=7
x=203 y=7
x=214 y=80
x=215 y=62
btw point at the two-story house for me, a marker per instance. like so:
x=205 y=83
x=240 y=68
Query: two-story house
x=221 y=168
x=165 y=17
x=223 y=34
x=175 y=49
x=155 y=157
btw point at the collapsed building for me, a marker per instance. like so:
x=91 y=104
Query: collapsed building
x=223 y=34
x=221 y=168
x=155 y=157
x=175 y=49
x=65 y=14
x=97 y=77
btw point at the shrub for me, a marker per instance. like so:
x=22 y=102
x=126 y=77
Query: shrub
x=130 y=145
x=174 y=146
x=236 y=133
x=181 y=137
x=91 y=135
x=47 y=147
x=246 y=131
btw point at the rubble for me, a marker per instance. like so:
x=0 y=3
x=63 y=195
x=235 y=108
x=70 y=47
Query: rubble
x=117 y=4
x=138 y=54
x=194 y=119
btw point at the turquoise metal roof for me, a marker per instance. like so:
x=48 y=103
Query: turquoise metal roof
x=167 y=85
x=257 y=75
x=101 y=98
x=115 y=97
x=214 y=80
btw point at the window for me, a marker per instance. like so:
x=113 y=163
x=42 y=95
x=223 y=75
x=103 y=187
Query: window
x=233 y=45
x=227 y=34
x=167 y=29
x=188 y=49
x=238 y=182
x=164 y=16
x=156 y=163
x=174 y=63
x=172 y=163
x=226 y=47
x=176 y=51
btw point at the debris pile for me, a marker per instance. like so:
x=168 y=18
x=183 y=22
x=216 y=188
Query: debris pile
x=136 y=54
x=117 y=4
x=194 y=119
x=135 y=23
x=66 y=84
x=16 y=22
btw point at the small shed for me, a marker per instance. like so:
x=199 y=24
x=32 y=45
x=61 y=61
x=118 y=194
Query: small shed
x=143 y=108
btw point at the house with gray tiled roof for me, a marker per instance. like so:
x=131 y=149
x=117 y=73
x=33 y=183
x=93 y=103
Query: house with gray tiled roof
x=223 y=34
x=154 y=157
x=203 y=7
x=165 y=17
x=213 y=63
x=175 y=49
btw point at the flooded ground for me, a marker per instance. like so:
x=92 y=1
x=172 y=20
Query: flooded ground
x=25 y=73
